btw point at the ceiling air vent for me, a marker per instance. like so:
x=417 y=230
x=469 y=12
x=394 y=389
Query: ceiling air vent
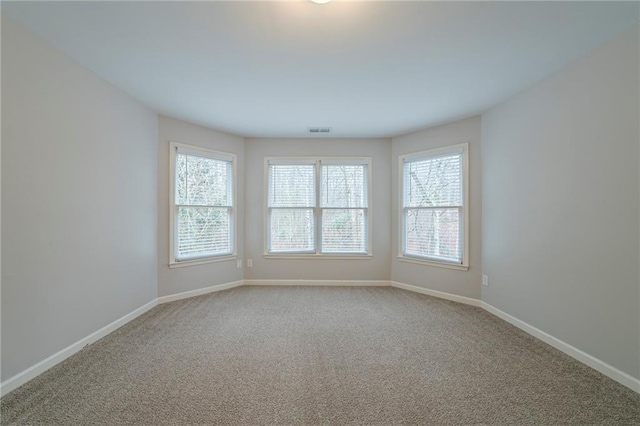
x=319 y=130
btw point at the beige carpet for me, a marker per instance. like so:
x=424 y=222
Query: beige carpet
x=320 y=355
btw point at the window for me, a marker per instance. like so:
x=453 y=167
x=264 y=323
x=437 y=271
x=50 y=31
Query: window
x=202 y=205
x=434 y=190
x=318 y=207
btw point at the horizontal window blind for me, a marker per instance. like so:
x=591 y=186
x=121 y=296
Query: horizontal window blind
x=203 y=206
x=433 y=182
x=344 y=186
x=292 y=198
x=434 y=233
x=292 y=230
x=433 y=195
x=203 y=231
x=344 y=231
x=344 y=202
x=292 y=185
x=317 y=206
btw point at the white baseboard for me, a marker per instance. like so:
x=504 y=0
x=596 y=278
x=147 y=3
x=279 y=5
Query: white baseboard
x=438 y=294
x=593 y=362
x=198 y=292
x=325 y=283
x=39 y=368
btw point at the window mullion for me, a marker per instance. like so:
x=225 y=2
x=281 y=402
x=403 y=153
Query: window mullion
x=317 y=209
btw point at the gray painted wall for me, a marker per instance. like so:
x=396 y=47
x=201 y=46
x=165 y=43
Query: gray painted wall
x=376 y=268
x=558 y=160
x=178 y=280
x=560 y=185
x=78 y=201
x=463 y=283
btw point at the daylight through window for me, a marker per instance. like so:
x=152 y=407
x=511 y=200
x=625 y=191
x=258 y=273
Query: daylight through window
x=318 y=206
x=434 y=205
x=203 y=194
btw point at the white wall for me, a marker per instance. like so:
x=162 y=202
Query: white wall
x=177 y=280
x=78 y=201
x=560 y=175
x=376 y=268
x=463 y=283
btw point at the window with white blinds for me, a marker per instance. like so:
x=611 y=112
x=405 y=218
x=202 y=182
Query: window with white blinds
x=202 y=219
x=292 y=200
x=434 y=205
x=318 y=206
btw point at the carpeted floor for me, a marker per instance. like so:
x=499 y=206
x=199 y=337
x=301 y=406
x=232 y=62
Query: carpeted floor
x=320 y=355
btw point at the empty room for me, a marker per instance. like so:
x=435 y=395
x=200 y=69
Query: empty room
x=317 y=212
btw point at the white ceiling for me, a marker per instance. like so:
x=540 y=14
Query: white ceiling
x=365 y=69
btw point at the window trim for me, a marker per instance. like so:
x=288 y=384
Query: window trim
x=402 y=159
x=317 y=210
x=206 y=153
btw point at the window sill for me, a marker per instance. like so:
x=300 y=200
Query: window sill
x=203 y=261
x=433 y=263
x=320 y=256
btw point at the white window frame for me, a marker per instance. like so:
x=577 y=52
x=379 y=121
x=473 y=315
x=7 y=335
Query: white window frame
x=317 y=210
x=402 y=159
x=173 y=228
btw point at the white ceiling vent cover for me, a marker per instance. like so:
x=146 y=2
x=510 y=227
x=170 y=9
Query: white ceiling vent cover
x=319 y=129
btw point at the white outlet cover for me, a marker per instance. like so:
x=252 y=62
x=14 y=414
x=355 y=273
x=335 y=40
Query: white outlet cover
x=485 y=280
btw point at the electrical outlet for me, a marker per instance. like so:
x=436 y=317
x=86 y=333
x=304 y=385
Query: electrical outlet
x=239 y=264
x=249 y=263
x=485 y=280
